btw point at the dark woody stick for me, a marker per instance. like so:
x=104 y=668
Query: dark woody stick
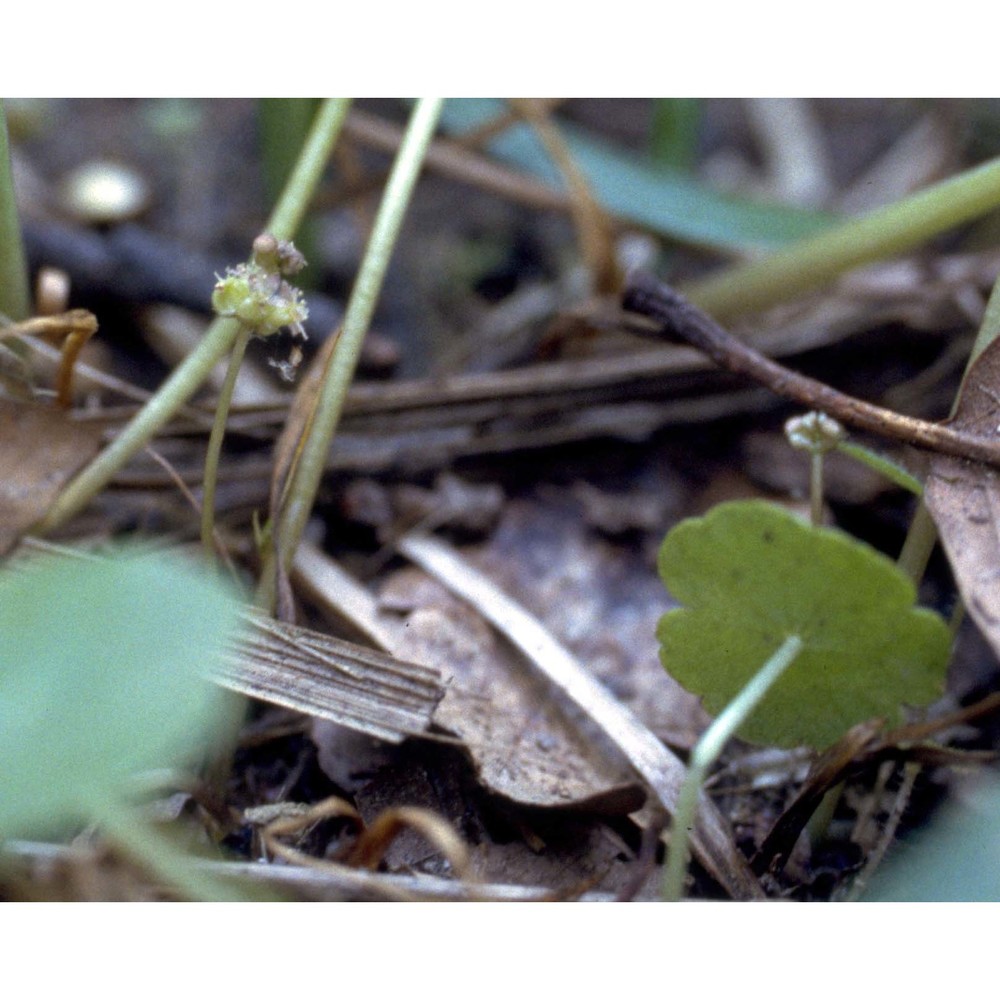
x=680 y=320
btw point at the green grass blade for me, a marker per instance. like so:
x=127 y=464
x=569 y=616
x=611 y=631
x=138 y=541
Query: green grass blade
x=666 y=202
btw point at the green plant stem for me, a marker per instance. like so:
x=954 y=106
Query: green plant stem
x=15 y=297
x=918 y=544
x=989 y=330
x=214 y=450
x=884 y=466
x=316 y=447
x=284 y=123
x=217 y=341
x=707 y=751
x=816 y=488
x=673 y=134
x=822 y=817
x=884 y=232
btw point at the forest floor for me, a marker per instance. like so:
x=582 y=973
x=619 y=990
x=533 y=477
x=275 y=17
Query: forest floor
x=505 y=430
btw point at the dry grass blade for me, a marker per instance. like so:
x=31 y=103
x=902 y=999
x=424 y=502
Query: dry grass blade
x=595 y=231
x=309 y=878
x=330 y=679
x=286 y=456
x=711 y=841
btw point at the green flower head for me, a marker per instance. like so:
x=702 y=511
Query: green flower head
x=258 y=295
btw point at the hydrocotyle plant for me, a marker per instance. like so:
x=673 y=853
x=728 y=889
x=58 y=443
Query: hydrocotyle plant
x=218 y=339
x=791 y=633
x=258 y=295
x=749 y=574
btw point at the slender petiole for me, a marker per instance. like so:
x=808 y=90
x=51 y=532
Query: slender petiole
x=210 y=478
x=707 y=751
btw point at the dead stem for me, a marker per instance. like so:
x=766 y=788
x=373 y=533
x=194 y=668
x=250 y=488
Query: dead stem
x=681 y=320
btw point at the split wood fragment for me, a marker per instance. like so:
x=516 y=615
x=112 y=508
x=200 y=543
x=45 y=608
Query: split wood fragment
x=331 y=679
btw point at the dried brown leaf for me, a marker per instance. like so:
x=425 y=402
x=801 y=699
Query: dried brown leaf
x=520 y=738
x=40 y=450
x=600 y=597
x=963 y=497
x=286 y=458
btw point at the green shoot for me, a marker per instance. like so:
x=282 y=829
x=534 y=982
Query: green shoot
x=360 y=309
x=705 y=754
x=883 y=233
x=892 y=471
x=673 y=138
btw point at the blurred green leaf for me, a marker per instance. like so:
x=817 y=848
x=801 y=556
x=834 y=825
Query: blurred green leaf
x=669 y=203
x=102 y=666
x=673 y=132
x=955 y=860
x=751 y=574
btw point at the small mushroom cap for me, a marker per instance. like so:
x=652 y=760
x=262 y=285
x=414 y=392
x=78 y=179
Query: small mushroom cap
x=102 y=192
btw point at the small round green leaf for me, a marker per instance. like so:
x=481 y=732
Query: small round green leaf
x=751 y=574
x=102 y=673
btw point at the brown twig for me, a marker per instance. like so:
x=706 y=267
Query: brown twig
x=681 y=320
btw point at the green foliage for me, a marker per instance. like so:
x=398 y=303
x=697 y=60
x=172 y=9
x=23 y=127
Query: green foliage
x=14 y=294
x=673 y=133
x=750 y=575
x=102 y=666
x=667 y=202
x=956 y=860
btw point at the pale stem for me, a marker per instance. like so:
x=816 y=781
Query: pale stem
x=816 y=488
x=210 y=478
x=15 y=297
x=316 y=447
x=707 y=751
x=888 y=231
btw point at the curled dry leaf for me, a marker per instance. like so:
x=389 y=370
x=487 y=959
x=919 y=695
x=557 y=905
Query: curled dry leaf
x=963 y=497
